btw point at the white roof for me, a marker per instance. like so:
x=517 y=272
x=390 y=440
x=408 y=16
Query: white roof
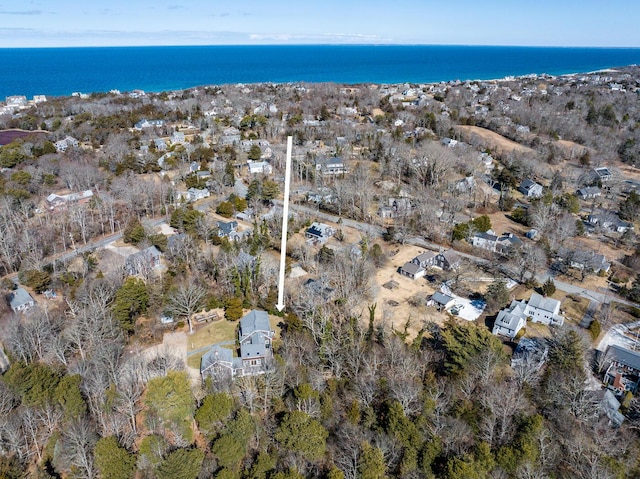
x=546 y=304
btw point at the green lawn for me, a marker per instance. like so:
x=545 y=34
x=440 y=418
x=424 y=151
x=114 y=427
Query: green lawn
x=212 y=333
x=217 y=332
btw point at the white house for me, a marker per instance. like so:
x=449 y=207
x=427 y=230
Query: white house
x=538 y=309
x=259 y=167
x=195 y=194
x=602 y=174
x=412 y=270
x=331 y=166
x=59 y=202
x=144 y=123
x=20 y=300
x=530 y=189
x=544 y=310
x=319 y=233
x=62 y=145
x=511 y=320
x=501 y=244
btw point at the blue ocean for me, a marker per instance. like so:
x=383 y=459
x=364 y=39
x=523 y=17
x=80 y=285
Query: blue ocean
x=62 y=71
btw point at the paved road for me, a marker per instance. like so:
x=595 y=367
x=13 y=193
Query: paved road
x=371 y=230
x=96 y=243
x=376 y=231
x=589 y=314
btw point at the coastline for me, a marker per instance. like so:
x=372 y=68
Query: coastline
x=175 y=68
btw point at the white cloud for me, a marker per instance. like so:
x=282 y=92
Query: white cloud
x=21 y=12
x=319 y=38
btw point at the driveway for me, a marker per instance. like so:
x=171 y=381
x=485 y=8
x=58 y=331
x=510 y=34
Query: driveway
x=468 y=309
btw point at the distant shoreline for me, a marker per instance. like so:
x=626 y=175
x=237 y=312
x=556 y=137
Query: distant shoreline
x=60 y=71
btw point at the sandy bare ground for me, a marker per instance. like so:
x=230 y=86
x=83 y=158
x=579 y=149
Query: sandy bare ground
x=571 y=149
x=386 y=299
x=496 y=142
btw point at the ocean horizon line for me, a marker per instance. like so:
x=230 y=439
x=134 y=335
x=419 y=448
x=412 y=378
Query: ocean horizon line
x=259 y=45
x=61 y=71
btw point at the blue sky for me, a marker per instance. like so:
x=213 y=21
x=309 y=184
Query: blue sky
x=39 y=23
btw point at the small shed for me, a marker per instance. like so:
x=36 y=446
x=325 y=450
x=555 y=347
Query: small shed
x=441 y=301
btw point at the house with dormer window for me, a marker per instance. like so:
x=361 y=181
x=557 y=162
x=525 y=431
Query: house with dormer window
x=255 y=337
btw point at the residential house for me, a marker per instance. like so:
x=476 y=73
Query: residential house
x=20 y=300
x=449 y=142
x=487 y=160
x=162 y=161
x=62 y=145
x=195 y=194
x=510 y=320
x=441 y=300
x=143 y=261
x=259 y=167
x=588 y=193
x=608 y=220
x=623 y=369
x=530 y=189
x=610 y=406
x=602 y=174
x=544 y=310
x=583 y=260
x=160 y=144
x=631 y=185
x=255 y=337
x=447 y=260
x=16 y=101
x=395 y=208
x=412 y=270
x=425 y=259
x=144 y=123
x=319 y=233
x=322 y=195
x=203 y=175
x=178 y=138
x=466 y=185
x=227 y=228
x=538 y=309
x=230 y=136
x=499 y=244
x=218 y=363
x=331 y=166
x=59 y=202
x=485 y=240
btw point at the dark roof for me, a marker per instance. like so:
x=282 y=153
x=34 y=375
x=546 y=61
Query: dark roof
x=451 y=256
x=624 y=356
x=586 y=258
x=216 y=354
x=227 y=227
x=411 y=268
x=486 y=236
x=313 y=231
x=425 y=256
x=19 y=297
x=441 y=298
x=254 y=320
